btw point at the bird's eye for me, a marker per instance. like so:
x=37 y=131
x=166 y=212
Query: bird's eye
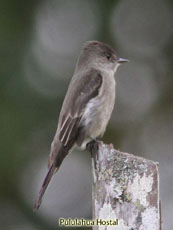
x=108 y=56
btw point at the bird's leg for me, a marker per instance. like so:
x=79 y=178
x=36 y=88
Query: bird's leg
x=92 y=147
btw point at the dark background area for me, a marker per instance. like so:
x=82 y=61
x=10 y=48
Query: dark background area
x=39 y=44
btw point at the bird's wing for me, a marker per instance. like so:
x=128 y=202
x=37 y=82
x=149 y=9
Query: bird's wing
x=80 y=92
x=83 y=92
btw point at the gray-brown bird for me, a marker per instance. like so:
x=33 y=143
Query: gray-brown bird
x=87 y=106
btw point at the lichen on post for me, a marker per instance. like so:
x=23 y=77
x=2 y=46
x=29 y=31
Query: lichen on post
x=125 y=187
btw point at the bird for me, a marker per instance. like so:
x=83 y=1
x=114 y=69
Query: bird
x=87 y=106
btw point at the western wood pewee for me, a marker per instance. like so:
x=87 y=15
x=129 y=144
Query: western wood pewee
x=87 y=106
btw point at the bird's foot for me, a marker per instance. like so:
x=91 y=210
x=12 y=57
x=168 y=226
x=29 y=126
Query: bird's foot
x=92 y=147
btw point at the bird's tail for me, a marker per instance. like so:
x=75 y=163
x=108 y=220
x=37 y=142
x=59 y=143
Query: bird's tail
x=46 y=181
x=60 y=154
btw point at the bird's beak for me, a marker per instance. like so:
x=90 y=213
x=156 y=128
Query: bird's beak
x=122 y=60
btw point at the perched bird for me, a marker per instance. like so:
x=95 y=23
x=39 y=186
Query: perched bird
x=87 y=106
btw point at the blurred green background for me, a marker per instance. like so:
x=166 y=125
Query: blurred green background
x=39 y=45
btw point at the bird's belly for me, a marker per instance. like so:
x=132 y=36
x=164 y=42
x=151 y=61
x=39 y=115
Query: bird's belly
x=98 y=113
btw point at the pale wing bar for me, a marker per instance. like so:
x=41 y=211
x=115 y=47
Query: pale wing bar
x=66 y=131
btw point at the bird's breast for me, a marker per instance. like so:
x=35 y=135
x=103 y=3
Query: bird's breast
x=99 y=109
